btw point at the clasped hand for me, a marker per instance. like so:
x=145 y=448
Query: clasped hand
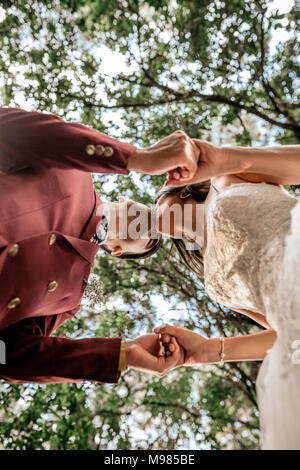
x=186 y=160
x=182 y=347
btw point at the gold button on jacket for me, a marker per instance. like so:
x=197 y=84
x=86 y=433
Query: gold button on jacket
x=13 y=303
x=52 y=286
x=108 y=151
x=13 y=250
x=90 y=149
x=100 y=150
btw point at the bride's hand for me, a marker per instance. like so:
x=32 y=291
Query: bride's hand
x=198 y=350
x=213 y=161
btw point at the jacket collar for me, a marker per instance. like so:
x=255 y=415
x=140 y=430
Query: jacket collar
x=85 y=248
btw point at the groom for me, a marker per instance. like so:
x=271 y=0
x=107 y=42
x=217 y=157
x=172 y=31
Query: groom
x=49 y=212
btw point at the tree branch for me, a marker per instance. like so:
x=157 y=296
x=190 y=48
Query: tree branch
x=185 y=97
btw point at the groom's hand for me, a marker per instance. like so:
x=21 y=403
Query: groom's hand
x=210 y=164
x=144 y=353
x=174 y=152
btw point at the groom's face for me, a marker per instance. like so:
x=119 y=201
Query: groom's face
x=131 y=228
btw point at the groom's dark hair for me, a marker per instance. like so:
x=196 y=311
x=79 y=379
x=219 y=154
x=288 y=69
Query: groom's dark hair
x=154 y=248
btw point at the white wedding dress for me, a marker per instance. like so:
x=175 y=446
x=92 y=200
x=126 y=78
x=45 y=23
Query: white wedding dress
x=252 y=261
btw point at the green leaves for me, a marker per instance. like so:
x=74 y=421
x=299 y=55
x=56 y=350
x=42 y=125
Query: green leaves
x=213 y=69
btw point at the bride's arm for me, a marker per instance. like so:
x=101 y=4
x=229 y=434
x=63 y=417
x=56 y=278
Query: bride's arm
x=200 y=350
x=242 y=348
x=280 y=165
x=258 y=317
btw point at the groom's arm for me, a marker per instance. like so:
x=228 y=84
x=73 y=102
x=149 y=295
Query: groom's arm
x=32 y=356
x=35 y=139
x=39 y=140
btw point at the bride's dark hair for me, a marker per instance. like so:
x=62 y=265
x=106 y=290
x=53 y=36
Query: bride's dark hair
x=193 y=259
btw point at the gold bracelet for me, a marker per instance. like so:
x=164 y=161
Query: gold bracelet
x=222 y=355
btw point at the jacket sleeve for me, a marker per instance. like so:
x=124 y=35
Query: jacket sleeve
x=28 y=356
x=35 y=139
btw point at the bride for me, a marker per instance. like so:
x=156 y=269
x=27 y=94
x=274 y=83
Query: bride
x=247 y=248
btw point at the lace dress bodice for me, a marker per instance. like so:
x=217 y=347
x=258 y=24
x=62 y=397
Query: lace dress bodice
x=252 y=262
x=246 y=229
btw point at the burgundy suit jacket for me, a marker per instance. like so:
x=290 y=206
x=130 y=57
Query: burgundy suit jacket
x=47 y=217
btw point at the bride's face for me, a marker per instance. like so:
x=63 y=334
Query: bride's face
x=180 y=218
x=169 y=215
